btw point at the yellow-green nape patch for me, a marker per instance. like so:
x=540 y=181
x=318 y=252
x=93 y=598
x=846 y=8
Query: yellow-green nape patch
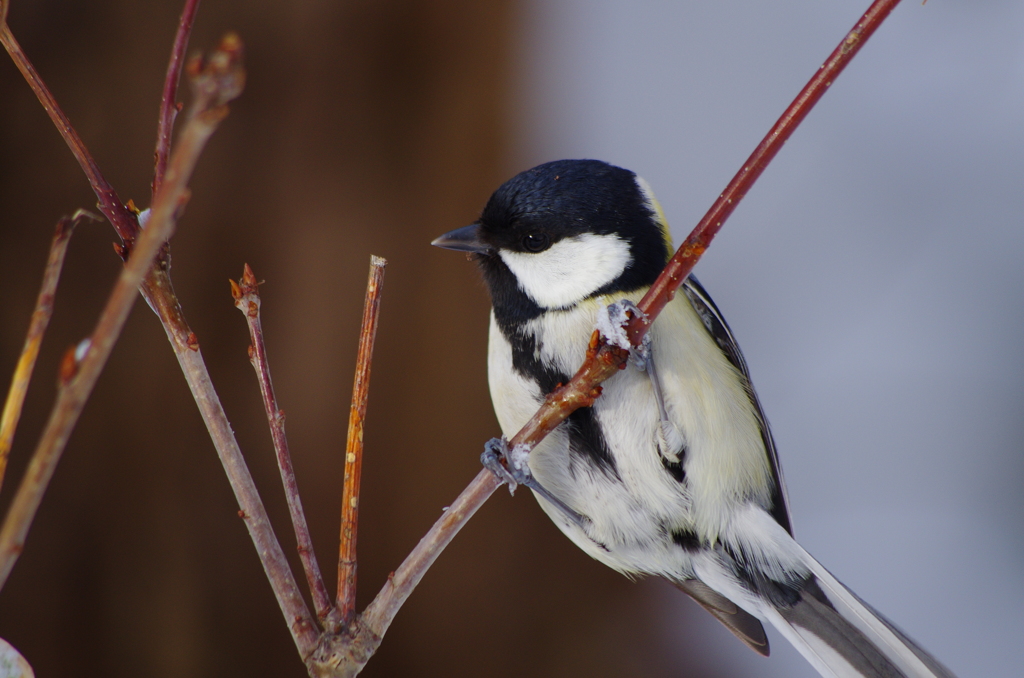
x=659 y=214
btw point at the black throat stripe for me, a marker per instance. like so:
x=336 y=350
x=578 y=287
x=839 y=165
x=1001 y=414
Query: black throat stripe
x=585 y=437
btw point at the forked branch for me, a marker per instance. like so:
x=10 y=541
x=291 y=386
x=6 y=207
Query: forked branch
x=214 y=83
x=113 y=209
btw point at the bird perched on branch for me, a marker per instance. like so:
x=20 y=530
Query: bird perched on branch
x=672 y=472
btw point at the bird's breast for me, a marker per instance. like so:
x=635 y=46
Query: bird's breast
x=604 y=461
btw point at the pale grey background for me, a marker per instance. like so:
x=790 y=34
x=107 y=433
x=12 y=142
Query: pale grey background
x=874 y=276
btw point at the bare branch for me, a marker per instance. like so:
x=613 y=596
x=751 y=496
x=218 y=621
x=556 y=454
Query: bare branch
x=381 y=612
x=76 y=387
x=247 y=298
x=36 y=329
x=120 y=217
x=183 y=341
x=168 y=106
x=354 y=448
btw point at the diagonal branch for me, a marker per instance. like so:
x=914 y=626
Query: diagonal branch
x=693 y=247
x=224 y=72
x=159 y=293
x=246 y=294
x=120 y=217
x=36 y=329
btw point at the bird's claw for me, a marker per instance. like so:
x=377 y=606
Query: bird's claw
x=611 y=323
x=516 y=471
x=509 y=465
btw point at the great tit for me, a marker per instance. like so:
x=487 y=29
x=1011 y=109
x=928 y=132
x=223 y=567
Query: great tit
x=673 y=471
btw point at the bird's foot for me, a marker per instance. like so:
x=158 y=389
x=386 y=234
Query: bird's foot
x=511 y=466
x=611 y=323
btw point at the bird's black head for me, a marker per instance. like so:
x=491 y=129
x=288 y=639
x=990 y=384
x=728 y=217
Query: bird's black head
x=564 y=231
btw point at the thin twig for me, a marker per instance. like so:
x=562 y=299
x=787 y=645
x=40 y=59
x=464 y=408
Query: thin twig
x=354 y=448
x=246 y=294
x=120 y=217
x=381 y=612
x=169 y=108
x=76 y=387
x=36 y=329
x=604 y=360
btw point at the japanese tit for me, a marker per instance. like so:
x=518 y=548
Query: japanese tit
x=673 y=471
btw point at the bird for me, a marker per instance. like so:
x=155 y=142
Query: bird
x=672 y=472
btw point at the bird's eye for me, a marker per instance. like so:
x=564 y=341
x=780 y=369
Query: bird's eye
x=535 y=242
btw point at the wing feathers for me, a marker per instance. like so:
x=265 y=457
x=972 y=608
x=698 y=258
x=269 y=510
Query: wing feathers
x=744 y=625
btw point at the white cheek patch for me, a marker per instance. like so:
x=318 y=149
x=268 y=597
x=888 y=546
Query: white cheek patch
x=570 y=270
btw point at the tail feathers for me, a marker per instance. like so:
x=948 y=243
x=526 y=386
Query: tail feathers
x=745 y=625
x=843 y=637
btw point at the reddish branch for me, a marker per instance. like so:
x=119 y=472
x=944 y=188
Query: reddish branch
x=247 y=298
x=113 y=209
x=693 y=247
x=213 y=83
x=169 y=107
x=159 y=292
x=354 y=446
x=36 y=329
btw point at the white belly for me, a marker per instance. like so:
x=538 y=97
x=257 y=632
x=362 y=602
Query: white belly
x=633 y=512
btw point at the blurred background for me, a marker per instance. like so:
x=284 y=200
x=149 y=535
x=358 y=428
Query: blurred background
x=874 y=278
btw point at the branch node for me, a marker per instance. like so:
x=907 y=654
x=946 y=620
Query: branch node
x=68 y=367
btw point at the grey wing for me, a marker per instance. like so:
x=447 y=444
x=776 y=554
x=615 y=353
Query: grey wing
x=720 y=332
x=744 y=625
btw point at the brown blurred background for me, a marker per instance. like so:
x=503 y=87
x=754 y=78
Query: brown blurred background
x=365 y=127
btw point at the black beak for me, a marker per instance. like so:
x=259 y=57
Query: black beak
x=465 y=239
